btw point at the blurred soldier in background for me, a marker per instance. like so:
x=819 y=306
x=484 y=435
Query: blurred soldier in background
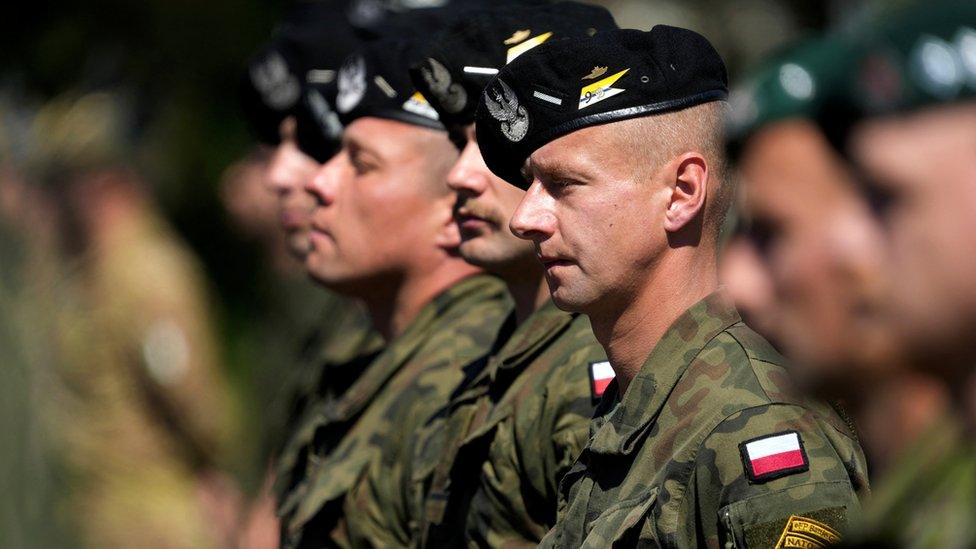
x=811 y=233
x=383 y=233
x=486 y=469
x=145 y=416
x=306 y=50
x=911 y=144
x=699 y=439
x=883 y=125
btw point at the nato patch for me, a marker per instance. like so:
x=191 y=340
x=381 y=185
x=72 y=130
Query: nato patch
x=773 y=456
x=803 y=531
x=601 y=374
x=811 y=530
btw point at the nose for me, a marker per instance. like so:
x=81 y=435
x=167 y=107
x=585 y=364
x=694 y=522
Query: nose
x=534 y=218
x=289 y=168
x=469 y=172
x=322 y=185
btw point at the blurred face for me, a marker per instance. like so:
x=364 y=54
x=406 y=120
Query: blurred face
x=821 y=250
x=288 y=172
x=923 y=168
x=484 y=206
x=595 y=228
x=382 y=205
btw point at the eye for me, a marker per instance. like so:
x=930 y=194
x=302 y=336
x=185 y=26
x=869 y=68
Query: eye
x=458 y=137
x=762 y=234
x=360 y=165
x=881 y=198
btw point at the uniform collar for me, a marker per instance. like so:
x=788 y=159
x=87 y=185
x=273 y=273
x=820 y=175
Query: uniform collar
x=669 y=359
x=402 y=348
x=544 y=325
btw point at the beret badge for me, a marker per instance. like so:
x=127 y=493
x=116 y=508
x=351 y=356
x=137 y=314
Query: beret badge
x=352 y=84
x=451 y=96
x=503 y=105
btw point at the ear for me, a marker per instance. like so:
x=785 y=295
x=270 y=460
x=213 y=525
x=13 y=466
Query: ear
x=448 y=236
x=690 y=179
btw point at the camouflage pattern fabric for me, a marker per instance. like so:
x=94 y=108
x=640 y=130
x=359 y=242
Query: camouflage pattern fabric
x=515 y=429
x=409 y=381
x=320 y=383
x=667 y=466
x=927 y=499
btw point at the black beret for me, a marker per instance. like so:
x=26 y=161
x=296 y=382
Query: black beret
x=318 y=130
x=464 y=57
x=312 y=36
x=575 y=83
x=375 y=82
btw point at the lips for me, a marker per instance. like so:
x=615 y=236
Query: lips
x=553 y=261
x=292 y=220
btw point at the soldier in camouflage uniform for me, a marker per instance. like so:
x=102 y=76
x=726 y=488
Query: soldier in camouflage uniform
x=879 y=115
x=900 y=109
x=486 y=468
x=821 y=248
x=699 y=441
x=274 y=92
x=384 y=233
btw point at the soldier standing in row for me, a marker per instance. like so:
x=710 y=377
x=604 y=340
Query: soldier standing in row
x=383 y=233
x=699 y=440
x=485 y=470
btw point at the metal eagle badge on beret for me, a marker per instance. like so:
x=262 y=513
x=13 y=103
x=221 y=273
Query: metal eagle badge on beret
x=352 y=84
x=451 y=96
x=504 y=107
x=461 y=59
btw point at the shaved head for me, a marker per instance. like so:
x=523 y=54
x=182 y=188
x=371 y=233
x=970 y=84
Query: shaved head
x=654 y=140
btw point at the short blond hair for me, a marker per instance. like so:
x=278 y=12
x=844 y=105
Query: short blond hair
x=654 y=140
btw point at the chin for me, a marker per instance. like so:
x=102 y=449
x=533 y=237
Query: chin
x=299 y=246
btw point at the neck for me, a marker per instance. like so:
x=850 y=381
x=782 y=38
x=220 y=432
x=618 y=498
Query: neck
x=527 y=285
x=396 y=305
x=631 y=327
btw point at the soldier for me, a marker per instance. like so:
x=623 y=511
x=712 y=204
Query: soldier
x=384 y=233
x=911 y=112
x=699 y=440
x=486 y=469
x=284 y=79
x=821 y=249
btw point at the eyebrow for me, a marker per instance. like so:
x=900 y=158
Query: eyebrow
x=355 y=145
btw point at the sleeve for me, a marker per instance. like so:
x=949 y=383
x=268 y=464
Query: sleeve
x=517 y=498
x=775 y=475
x=374 y=508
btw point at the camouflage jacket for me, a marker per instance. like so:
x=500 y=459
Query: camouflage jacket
x=328 y=367
x=511 y=433
x=928 y=499
x=708 y=448
x=402 y=387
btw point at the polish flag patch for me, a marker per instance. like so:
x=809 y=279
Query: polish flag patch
x=773 y=456
x=601 y=374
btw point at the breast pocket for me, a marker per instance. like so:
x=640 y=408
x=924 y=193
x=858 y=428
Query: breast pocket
x=625 y=524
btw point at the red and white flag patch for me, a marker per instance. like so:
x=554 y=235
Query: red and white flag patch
x=773 y=456
x=601 y=374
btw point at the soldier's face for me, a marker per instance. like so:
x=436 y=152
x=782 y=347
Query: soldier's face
x=922 y=169
x=822 y=252
x=595 y=228
x=484 y=206
x=288 y=172
x=382 y=205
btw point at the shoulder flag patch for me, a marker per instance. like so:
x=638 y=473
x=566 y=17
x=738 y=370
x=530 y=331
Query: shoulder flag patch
x=773 y=456
x=601 y=374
